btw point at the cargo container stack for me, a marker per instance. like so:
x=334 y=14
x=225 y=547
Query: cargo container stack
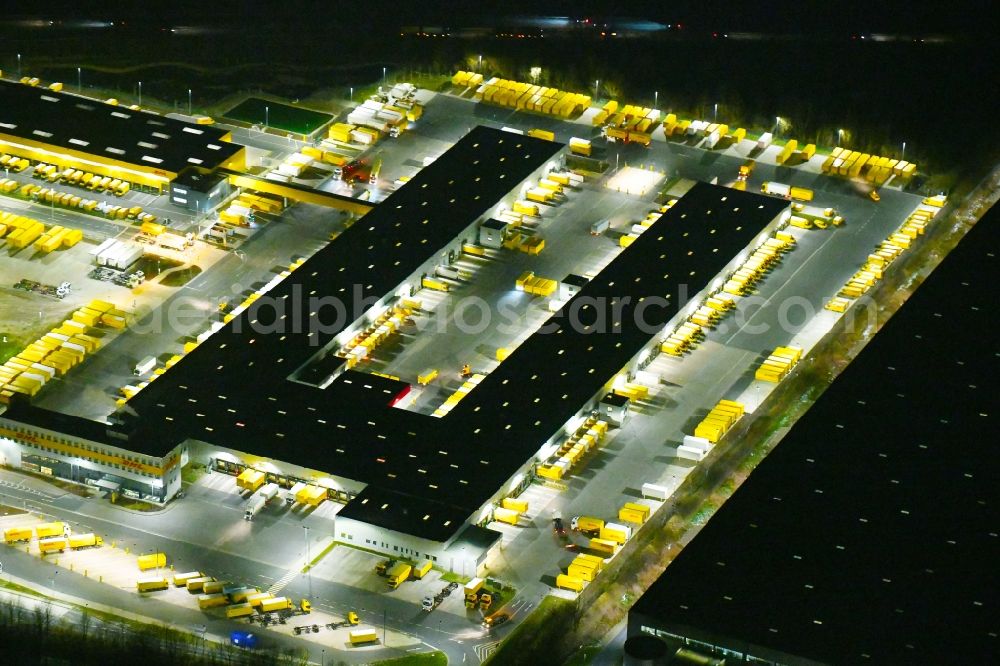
x=632 y=512
x=529 y=283
x=588 y=437
x=528 y=97
x=787 y=151
x=457 y=396
x=873 y=168
x=360 y=347
x=886 y=252
x=778 y=364
x=762 y=260
x=56 y=352
x=719 y=420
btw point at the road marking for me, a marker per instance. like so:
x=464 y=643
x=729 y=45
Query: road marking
x=282 y=582
x=484 y=650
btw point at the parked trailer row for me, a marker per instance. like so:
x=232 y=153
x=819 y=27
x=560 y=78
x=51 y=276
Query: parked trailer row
x=873 y=168
x=886 y=252
x=56 y=352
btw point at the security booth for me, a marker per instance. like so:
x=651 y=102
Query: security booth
x=493 y=233
x=571 y=286
x=614 y=408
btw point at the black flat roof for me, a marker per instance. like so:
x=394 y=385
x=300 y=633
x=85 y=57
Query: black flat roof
x=111 y=132
x=427 y=475
x=75 y=426
x=870 y=534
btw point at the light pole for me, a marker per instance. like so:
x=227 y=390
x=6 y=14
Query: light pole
x=352 y=93
x=777 y=123
x=597 y=83
x=904 y=151
x=840 y=134
x=656 y=98
x=267 y=114
x=480 y=62
x=140 y=93
x=383 y=76
x=308 y=561
x=715 y=112
x=189 y=101
x=79 y=80
x=18 y=65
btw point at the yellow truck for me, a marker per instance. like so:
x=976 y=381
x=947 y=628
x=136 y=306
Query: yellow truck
x=580 y=146
x=566 y=582
x=617 y=533
x=89 y=540
x=46 y=530
x=152 y=561
x=15 y=534
x=398 y=573
x=256 y=600
x=152 y=584
x=359 y=636
x=53 y=545
x=206 y=601
x=242 y=595
x=422 y=570
x=181 y=579
x=198 y=584
x=542 y=134
x=587 y=524
x=603 y=546
x=239 y=610
x=521 y=506
x=275 y=604
x=506 y=516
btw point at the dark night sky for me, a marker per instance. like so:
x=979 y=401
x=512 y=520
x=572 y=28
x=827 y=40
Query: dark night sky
x=964 y=16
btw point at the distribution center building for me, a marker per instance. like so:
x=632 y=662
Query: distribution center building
x=418 y=486
x=874 y=513
x=142 y=148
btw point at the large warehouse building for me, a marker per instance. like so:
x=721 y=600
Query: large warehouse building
x=874 y=513
x=418 y=486
x=146 y=149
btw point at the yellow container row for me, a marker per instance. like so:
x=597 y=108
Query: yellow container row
x=77 y=177
x=873 y=168
x=538 y=286
x=361 y=345
x=756 y=266
x=689 y=334
x=532 y=245
x=587 y=437
x=719 y=420
x=633 y=513
x=456 y=397
x=672 y=126
x=887 y=252
x=467 y=79
x=14 y=163
x=54 y=354
x=778 y=364
x=528 y=97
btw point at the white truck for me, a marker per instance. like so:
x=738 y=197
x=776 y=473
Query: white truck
x=268 y=491
x=144 y=366
x=253 y=505
x=777 y=189
x=764 y=141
